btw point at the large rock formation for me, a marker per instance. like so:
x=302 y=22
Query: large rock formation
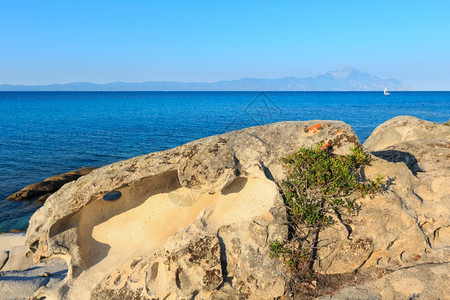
x=192 y=221
x=195 y=221
x=406 y=230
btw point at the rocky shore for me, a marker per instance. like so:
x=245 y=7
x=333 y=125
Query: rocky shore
x=196 y=221
x=40 y=191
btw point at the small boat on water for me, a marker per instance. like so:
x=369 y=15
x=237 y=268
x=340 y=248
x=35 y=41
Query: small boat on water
x=386 y=92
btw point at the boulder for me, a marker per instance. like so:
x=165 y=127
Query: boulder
x=395 y=229
x=195 y=220
x=403 y=129
x=43 y=189
x=406 y=229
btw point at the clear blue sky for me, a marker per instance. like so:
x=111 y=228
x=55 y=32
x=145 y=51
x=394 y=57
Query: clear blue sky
x=104 y=41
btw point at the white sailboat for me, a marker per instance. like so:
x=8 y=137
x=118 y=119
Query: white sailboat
x=386 y=92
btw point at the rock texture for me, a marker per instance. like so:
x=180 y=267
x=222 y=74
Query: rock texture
x=423 y=281
x=194 y=221
x=406 y=230
x=403 y=129
x=13 y=252
x=43 y=189
x=19 y=278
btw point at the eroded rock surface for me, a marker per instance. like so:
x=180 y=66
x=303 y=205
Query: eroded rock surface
x=407 y=228
x=195 y=221
x=217 y=195
x=403 y=129
x=423 y=281
x=19 y=277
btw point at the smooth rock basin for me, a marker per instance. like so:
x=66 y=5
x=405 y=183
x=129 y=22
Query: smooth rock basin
x=151 y=211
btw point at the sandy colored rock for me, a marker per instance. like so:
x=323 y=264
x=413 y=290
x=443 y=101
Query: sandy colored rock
x=385 y=232
x=408 y=223
x=196 y=220
x=222 y=186
x=19 y=277
x=424 y=281
x=13 y=252
x=404 y=129
x=189 y=272
x=23 y=284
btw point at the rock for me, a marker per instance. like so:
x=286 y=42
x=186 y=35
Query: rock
x=14 y=286
x=4 y=256
x=23 y=284
x=407 y=228
x=43 y=189
x=419 y=282
x=192 y=271
x=424 y=281
x=407 y=224
x=196 y=221
x=19 y=277
x=13 y=252
x=220 y=192
x=45 y=274
x=386 y=231
x=403 y=129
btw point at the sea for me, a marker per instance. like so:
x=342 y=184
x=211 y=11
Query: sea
x=48 y=133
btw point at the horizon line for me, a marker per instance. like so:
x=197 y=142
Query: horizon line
x=225 y=91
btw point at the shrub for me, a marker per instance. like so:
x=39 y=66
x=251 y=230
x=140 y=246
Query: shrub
x=318 y=183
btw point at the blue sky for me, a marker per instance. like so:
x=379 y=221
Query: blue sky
x=104 y=41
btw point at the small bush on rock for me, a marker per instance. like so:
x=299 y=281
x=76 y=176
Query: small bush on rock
x=318 y=184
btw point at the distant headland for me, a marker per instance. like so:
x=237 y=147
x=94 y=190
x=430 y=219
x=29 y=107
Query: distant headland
x=345 y=78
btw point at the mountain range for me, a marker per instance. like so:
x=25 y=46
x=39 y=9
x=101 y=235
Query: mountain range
x=345 y=78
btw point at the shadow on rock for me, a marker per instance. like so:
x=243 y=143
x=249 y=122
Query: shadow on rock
x=396 y=156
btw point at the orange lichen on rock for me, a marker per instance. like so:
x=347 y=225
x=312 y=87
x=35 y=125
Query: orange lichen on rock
x=326 y=146
x=339 y=131
x=315 y=128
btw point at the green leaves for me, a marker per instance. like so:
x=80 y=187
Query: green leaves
x=318 y=183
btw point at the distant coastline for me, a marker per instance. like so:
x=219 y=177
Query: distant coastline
x=343 y=79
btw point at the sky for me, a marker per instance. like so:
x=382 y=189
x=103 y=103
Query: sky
x=44 y=42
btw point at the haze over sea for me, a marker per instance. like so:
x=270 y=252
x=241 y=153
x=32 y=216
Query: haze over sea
x=48 y=133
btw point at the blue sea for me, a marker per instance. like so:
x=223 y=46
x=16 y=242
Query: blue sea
x=48 y=133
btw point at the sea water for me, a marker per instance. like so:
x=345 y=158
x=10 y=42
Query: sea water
x=48 y=133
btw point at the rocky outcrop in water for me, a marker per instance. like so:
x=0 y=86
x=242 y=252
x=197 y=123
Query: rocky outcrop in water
x=196 y=221
x=43 y=189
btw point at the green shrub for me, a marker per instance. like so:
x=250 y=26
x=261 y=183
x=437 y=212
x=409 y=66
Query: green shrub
x=318 y=183
x=446 y=123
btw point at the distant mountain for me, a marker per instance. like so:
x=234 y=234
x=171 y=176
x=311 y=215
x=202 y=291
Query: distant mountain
x=345 y=78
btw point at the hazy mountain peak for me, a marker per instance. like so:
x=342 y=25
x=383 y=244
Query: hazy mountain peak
x=344 y=72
